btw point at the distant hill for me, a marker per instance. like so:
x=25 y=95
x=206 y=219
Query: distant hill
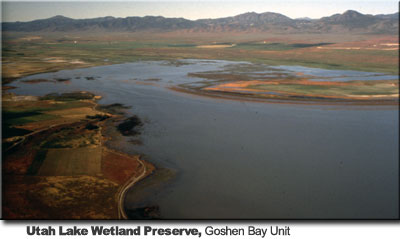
x=349 y=21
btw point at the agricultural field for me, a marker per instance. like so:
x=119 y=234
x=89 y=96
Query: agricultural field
x=54 y=159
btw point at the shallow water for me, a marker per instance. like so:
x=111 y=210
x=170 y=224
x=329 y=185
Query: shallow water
x=238 y=159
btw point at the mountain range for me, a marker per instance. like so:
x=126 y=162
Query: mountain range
x=349 y=21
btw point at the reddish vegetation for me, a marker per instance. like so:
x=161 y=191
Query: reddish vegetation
x=19 y=162
x=15 y=192
x=119 y=167
x=59 y=197
x=7 y=87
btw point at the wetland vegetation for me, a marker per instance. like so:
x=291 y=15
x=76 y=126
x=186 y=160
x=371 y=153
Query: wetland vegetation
x=175 y=129
x=81 y=109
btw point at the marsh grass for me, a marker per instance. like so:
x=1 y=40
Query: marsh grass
x=380 y=89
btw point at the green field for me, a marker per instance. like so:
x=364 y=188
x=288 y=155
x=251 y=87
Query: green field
x=378 y=89
x=54 y=52
x=276 y=46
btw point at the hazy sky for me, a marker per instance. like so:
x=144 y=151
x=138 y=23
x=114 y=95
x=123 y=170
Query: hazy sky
x=189 y=9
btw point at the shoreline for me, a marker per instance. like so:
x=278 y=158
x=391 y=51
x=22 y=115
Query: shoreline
x=239 y=96
x=133 y=179
x=42 y=180
x=146 y=167
x=127 y=185
x=251 y=98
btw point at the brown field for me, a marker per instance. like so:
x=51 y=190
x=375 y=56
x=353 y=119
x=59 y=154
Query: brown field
x=58 y=197
x=67 y=162
x=118 y=167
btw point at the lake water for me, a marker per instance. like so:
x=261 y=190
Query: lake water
x=248 y=160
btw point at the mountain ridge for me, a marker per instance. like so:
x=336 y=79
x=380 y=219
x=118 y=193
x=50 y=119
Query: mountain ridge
x=349 y=21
